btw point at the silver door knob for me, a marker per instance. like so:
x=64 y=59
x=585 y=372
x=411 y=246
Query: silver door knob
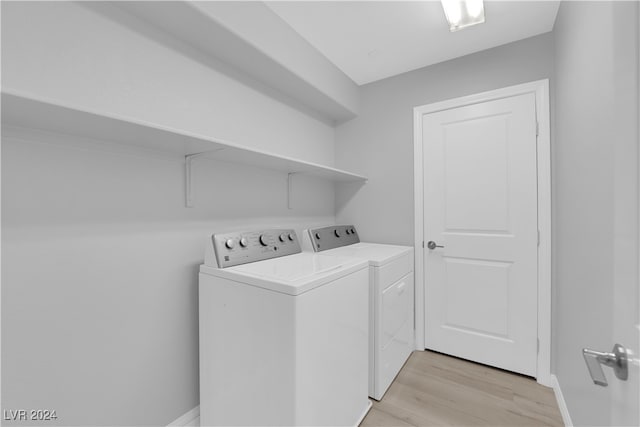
x=617 y=360
x=432 y=245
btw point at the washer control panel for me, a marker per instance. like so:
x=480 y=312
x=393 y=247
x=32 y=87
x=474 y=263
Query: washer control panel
x=251 y=246
x=336 y=236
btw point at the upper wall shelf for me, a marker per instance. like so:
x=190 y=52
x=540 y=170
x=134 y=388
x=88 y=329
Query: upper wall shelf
x=264 y=47
x=31 y=113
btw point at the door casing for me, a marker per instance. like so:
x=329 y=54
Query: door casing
x=540 y=89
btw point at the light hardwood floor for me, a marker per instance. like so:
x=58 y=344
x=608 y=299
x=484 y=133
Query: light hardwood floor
x=433 y=389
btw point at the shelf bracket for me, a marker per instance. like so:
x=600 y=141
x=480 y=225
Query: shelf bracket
x=188 y=185
x=289 y=189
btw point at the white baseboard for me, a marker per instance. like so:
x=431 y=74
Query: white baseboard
x=364 y=414
x=562 y=405
x=190 y=419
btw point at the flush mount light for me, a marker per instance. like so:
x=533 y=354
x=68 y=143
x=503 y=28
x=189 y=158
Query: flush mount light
x=463 y=13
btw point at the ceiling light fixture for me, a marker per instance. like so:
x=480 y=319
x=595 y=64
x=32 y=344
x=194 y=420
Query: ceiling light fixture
x=463 y=13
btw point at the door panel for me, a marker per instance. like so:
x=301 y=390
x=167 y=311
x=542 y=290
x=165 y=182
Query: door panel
x=462 y=311
x=480 y=203
x=476 y=204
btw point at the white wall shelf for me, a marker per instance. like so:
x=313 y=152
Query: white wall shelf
x=264 y=48
x=31 y=113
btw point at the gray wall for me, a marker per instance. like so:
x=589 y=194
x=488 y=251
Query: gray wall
x=99 y=255
x=595 y=187
x=379 y=142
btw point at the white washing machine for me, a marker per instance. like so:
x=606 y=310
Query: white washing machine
x=391 y=313
x=283 y=334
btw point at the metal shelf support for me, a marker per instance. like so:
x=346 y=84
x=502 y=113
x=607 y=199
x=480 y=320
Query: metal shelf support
x=188 y=184
x=289 y=188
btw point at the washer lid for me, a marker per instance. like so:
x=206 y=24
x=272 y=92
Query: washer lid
x=376 y=253
x=293 y=275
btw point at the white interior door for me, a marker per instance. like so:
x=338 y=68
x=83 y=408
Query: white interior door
x=480 y=204
x=625 y=395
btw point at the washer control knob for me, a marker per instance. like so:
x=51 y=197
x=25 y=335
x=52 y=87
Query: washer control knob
x=282 y=237
x=348 y=231
x=263 y=240
x=243 y=242
x=336 y=232
x=353 y=231
x=290 y=237
x=229 y=243
x=318 y=236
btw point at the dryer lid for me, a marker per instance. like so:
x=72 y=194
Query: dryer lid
x=376 y=253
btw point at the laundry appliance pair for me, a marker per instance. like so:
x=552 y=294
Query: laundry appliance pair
x=286 y=336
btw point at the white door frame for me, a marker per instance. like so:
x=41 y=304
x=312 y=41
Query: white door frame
x=540 y=89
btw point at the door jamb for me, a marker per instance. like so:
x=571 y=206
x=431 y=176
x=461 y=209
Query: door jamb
x=540 y=89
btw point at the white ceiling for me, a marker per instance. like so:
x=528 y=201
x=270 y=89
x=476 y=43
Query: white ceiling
x=371 y=40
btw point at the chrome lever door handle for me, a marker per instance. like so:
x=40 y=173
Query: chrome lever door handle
x=432 y=245
x=617 y=360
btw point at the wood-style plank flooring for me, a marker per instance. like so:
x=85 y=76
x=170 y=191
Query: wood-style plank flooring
x=433 y=389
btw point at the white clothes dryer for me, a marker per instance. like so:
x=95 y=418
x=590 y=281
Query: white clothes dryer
x=391 y=304
x=283 y=334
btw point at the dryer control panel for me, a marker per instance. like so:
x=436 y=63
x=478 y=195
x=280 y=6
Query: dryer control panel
x=250 y=246
x=332 y=237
